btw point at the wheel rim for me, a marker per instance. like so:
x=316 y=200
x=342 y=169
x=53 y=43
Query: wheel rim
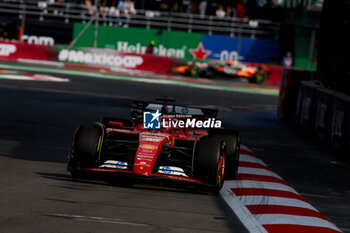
x=99 y=144
x=221 y=167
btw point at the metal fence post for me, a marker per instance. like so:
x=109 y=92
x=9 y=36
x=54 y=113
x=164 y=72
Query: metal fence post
x=23 y=23
x=210 y=32
x=81 y=33
x=96 y=23
x=312 y=39
x=66 y=20
x=239 y=42
x=232 y=33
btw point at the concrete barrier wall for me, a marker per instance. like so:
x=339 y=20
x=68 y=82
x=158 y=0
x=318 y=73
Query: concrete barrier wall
x=325 y=115
x=322 y=100
x=305 y=114
x=339 y=123
x=288 y=95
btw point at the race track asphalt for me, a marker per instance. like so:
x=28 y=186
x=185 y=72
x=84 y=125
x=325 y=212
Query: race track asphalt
x=37 y=122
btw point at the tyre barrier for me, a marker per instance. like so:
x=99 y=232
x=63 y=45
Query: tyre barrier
x=325 y=115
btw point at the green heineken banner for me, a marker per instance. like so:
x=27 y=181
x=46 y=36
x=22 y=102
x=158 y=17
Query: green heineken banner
x=136 y=40
x=179 y=44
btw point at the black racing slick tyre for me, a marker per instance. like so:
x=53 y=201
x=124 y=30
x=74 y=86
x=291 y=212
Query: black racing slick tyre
x=209 y=162
x=259 y=77
x=232 y=152
x=87 y=145
x=233 y=142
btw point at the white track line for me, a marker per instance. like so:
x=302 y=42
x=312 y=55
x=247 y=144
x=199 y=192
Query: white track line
x=97 y=219
x=33 y=78
x=15 y=77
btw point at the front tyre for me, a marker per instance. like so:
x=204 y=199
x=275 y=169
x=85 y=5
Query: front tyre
x=209 y=162
x=87 y=144
x=233 y=142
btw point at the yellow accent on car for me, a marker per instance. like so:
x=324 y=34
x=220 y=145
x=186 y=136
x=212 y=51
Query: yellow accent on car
x=223 y=145
x=148 y=147
x=99 y=144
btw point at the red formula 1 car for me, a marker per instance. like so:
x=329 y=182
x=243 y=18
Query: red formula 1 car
x=185 y=154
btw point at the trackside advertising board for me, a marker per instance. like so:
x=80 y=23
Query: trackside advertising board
x=115 y=59
x=13 y=51
x=179 y=44
x=106 y=58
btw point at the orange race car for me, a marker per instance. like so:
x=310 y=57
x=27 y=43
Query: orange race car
x=229 y=69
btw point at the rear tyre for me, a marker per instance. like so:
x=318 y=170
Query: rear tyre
x=259 y=77
x=87 y=145
x=209 y=162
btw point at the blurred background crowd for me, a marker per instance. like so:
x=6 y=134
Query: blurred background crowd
x=276 y=10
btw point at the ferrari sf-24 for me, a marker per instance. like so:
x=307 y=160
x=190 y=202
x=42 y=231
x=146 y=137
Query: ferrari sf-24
x=189 y=155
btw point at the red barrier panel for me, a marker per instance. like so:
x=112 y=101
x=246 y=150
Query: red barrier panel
x=17 y=50
x=103 y=58
x=276 y=74
x=157 y=64
x=116 y=60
